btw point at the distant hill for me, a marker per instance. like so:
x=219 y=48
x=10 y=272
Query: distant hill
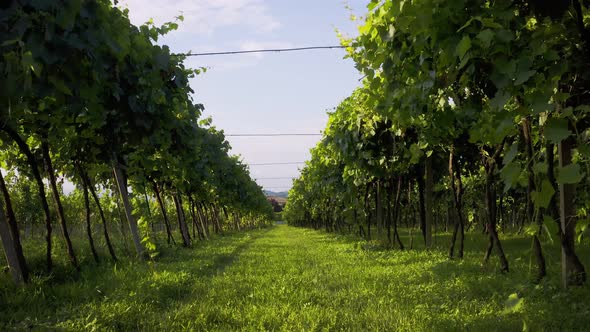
x=282 y=194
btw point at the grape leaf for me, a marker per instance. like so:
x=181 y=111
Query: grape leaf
x=569 y=174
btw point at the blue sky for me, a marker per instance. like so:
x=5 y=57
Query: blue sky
x=263 y=93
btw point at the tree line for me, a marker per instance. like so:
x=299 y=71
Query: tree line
x=89 y=97
x=471 y=113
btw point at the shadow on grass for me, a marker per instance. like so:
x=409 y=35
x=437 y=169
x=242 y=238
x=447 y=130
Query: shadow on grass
x=67 y=295
x=224 y=260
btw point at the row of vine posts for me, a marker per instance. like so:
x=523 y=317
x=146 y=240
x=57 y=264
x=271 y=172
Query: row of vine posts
x=89 y=97
x=481 y=106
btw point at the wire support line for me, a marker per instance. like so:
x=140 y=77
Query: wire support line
x=265 y=135
x=287 y=163
x=276 y=50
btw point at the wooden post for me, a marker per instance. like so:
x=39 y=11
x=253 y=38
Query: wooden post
x=10 y=249
x=428 y=204
x=122 y=186
x=567 y=213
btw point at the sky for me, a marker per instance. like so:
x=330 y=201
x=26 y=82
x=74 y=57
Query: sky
x=263 y=93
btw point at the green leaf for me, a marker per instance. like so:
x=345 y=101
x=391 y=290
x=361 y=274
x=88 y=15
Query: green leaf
x=556 y=130
x=505 y=35
x=465 y=61
x=509 y=156
x=523 y=76
x=542 y=198
x=463 y=46
x=60 y=85
x=500 y=99
x=510 y=174
x=567 y=112
x=540 y=168
x=416 y=153
x=582 y=229
x=550 y=226
x=485 y=37
x=489 y=23
x=551 y=55
x=504 y=127
x=584 y=149
x=569 y=174
x=539 y=103
x=468 y=23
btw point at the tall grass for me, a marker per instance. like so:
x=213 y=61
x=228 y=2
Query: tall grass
x=286 y=278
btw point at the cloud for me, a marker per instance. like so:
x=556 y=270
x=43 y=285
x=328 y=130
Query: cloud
x=204 y=17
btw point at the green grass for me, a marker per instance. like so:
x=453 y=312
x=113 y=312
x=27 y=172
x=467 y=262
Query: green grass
x=286 y=278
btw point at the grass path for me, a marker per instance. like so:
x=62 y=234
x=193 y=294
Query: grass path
x=286 y=278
